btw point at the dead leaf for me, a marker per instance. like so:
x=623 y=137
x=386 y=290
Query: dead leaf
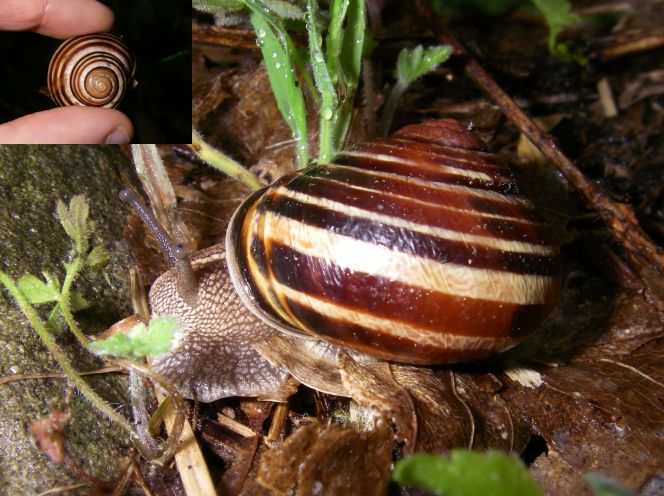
x=329 y=460
x=371 y=384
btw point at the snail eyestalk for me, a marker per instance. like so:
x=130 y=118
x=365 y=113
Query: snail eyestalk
x=186 y=278
x=176 y=254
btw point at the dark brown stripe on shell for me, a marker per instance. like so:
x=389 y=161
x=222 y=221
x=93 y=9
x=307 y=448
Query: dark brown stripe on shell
x=416 y=212
x=383 y=345
x=448 y=132
x=458 y=198
x=405 y=304
x=410 y=242
x=435 y=155
x=430 y=173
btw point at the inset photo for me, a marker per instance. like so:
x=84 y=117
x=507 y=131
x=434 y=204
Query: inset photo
x=95 y=72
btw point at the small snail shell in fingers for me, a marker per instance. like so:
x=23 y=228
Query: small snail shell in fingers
x=92 y=70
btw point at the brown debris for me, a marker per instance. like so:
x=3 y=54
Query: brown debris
x=48 y=433
x=371 y=384
x=329 y=460
x=223 y=36
x=603 y=417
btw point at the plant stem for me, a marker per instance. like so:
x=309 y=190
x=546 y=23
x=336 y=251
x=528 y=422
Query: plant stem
x=61 y=358
x=222 y=162
x=73 y=269
x=326 y=141
x=391 y=106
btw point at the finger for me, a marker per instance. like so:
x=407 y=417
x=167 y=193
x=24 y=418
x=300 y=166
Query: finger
x=55 y=18
x=69 y=125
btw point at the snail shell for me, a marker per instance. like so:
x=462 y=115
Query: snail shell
x=416 y=248
x=91 y=70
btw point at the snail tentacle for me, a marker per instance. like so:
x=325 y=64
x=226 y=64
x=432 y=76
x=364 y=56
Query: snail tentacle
x=176 y=254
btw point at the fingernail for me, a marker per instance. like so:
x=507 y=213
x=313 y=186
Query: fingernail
x=118 y=137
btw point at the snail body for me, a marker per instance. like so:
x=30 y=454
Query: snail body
x=91 y=70
x=417 y=248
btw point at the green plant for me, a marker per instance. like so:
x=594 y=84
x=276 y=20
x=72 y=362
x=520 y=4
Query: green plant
x=411 y=65
x=140 y=341
x=556 y=13
x=467 y=473
x=605 y=487
x=335 y=61
x=30 y=290
x=558 y=16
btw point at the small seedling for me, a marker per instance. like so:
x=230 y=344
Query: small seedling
x=151 y=340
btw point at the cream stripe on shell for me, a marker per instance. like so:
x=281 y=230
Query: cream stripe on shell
x=490 y=242
x=425 y=203
x=449 y=278
x=454 y=188
x=380 y=157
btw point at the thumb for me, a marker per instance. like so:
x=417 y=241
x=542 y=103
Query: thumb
x=69 y=125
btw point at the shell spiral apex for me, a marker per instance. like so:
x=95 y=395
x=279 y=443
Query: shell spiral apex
x=416 y=248
x=91 y=70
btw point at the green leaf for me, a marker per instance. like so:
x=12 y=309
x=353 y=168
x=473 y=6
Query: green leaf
x=606 y=487
x=415 y=63
x=140 y=341
x=285 y=86
x=98 y=258
x=75 y=221
x=319 y=67
x=328 y=93
x=466 y=473
x=217 y=6
x=119 y=344
x=353 y=45
x=37 y=291
x=353 y=48
x=335 y=35
x=77 y=302
x=558 y=16
x=285 y=10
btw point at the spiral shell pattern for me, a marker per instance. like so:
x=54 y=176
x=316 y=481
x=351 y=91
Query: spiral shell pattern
x=416 y=248
x=91 y=70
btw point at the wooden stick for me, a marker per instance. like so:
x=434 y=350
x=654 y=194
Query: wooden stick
x=646 y=257
x=277 y=425
x=189 y=458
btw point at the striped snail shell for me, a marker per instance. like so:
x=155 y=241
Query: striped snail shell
x=91 y=70
x=416 y=248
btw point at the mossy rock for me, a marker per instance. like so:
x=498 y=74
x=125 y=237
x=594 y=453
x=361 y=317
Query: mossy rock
x=32 y=179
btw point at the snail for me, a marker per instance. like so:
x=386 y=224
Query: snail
x=91 y=70
x=416 y=248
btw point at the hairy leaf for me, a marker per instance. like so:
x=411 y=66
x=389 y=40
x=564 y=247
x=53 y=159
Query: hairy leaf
x=155 y=339
x=37 y=291
x=415 y=63
x=74 y=220
x=97 y=258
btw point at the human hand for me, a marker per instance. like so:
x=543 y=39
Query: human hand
x=62 y=19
